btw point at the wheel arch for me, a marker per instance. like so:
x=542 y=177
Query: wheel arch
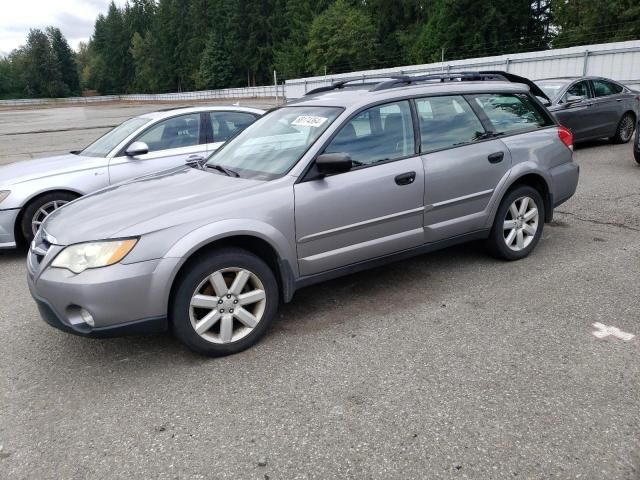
x=540 y=183
x=245 y=241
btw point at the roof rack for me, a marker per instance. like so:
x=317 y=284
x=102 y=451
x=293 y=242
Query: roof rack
x=397 y=81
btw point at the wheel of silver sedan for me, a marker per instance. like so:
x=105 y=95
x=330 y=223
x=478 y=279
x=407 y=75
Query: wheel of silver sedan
x=521 y=223
x=227 y=305
x=43 y=212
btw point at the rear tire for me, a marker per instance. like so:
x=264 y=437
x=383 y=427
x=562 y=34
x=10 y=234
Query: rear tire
x=518 y=224
x=624 y=131
x=636 y=155
x=39 y=209
x=224 y=302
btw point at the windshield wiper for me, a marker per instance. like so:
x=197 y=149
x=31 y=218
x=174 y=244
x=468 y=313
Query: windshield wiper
x=227 y=171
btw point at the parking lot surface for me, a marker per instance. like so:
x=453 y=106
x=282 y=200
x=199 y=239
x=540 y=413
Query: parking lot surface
x=449 y=365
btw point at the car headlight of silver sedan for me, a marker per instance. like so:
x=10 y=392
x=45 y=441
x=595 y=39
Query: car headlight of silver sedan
x=82 y=256
x=4 y=194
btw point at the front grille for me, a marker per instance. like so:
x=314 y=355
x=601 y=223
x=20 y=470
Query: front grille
x=40 y=247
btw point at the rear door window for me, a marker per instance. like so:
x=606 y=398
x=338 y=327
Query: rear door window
x=604 y=88
x=227 y=124
x=447 y=122
x=380 y=133
x=511 y=112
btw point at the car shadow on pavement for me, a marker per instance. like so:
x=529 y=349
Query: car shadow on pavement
x=321 y=307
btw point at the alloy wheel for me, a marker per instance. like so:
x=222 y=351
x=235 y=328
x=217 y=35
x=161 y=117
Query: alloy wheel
x=521 y=223
x=626 y=128
x=227 y=305
x=43 y=212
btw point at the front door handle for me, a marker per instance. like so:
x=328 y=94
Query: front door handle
x=496 y=157
x=406 y=178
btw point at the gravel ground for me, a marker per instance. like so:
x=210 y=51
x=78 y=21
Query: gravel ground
x=449 y=365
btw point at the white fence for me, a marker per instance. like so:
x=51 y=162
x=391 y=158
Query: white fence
x=227 y=93
x=619 y=61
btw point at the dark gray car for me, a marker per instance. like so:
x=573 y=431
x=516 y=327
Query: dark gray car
x=344 y=179
x=593 y=107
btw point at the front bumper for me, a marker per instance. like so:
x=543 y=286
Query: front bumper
x=7 y=228
x=122 y=299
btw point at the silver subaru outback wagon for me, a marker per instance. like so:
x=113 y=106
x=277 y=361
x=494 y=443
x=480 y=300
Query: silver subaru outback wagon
x=348 y=177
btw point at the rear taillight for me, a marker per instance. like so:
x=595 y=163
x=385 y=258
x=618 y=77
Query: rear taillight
x=566 y=136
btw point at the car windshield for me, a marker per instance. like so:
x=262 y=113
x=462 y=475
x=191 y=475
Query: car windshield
x=110 y=140
x=268 y=148
x=552 y=88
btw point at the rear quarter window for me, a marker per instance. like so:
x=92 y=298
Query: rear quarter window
x=510 y=113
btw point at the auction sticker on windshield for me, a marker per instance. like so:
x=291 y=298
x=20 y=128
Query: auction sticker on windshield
x=309 y=121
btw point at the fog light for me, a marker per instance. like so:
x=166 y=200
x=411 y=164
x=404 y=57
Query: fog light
x=87 y=317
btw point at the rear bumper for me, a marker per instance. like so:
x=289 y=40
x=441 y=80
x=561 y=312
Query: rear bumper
x=7 y=228
x=565 y=182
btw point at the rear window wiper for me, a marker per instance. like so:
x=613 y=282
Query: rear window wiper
x=227 y=171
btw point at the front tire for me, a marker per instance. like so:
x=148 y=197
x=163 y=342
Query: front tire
x=224 y=302
x=624 y=131
x=518 y=224
x=39 y=209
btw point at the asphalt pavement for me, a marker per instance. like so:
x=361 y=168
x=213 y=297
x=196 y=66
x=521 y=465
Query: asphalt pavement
x=449 y=365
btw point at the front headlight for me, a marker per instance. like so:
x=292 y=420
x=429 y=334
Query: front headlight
x=82 y=256
x=4 y=194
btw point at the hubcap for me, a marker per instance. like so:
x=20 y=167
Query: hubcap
x=43 y=212
x=626 y=129
x=520 y=224
x=227 y=305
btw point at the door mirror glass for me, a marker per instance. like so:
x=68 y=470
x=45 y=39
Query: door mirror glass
x=136 y=149
x=574 y=99
x=329 y=163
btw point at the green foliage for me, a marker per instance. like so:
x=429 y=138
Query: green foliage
x=179 y=45
x=215 y=68
x=342 y=38
x=595 y=21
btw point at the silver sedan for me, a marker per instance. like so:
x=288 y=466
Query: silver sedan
x=31 y=190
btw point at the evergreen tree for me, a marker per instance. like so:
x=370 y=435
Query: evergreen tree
x=341 y=39
x=65 y=59
x=41 y=74
x=594 y=21
x=215 y=68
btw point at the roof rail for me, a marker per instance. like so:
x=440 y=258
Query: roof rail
x=363 y=81
x=396 y=81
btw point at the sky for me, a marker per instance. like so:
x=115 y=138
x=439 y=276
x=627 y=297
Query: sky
x=75 y=18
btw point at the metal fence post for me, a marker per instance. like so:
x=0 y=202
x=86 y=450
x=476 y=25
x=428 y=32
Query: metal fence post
x=507 y=63
x=586 y=61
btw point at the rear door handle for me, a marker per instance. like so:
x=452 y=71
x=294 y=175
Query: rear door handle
x=406 y=178
x=496 y=157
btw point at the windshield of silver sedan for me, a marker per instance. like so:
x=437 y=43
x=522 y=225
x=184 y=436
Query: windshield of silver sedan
x=110 y=140
x=268 y=148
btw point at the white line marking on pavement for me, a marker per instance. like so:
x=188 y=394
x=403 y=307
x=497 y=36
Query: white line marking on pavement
x=605 y=330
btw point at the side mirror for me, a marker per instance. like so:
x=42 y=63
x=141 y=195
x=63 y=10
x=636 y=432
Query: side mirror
x=329 y=163
x=137 y=148
x=571 y=99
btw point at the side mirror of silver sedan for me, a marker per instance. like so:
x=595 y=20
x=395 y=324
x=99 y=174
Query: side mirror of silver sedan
x=137 y=148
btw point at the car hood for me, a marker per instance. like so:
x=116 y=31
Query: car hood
x=148 y=204
x=26 y=170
